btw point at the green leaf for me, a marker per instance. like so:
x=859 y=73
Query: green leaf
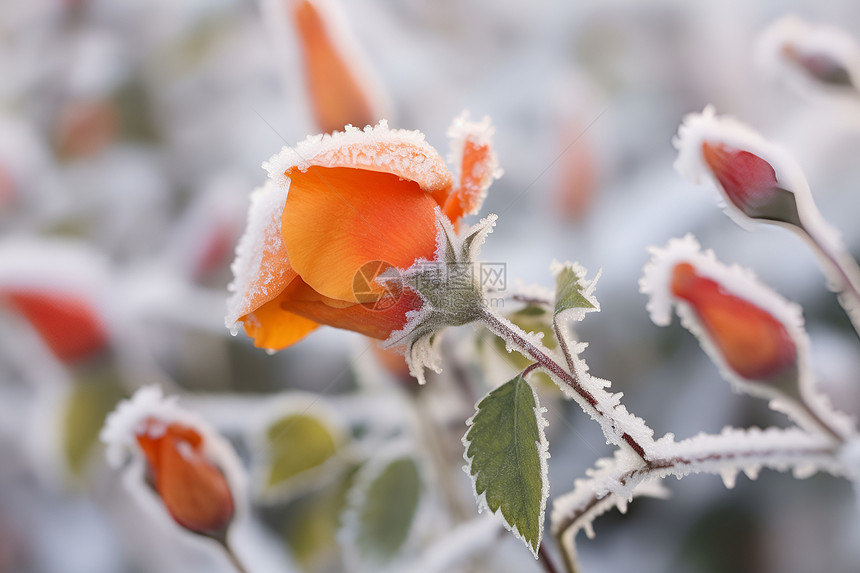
x=311 y=523
x=506 y=451
x=88 y=404
x=382 y=507
x=295 y=444
x=572 y=292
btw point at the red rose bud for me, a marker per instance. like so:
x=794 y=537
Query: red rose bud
x=66 y=324
x=749 y=183
x=821 y=67
x=193 y=490
x=754 y=344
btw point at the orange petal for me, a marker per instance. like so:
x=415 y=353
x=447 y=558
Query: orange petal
x=373 y=320
x=273 y=328
x=753 y=343
x=193 y=490
x=339 y=93
x=262 y=267
x=478 y=166
x=336 y=220
x=67 y=325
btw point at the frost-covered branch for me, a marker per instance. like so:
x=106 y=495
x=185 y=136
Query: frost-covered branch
x=614 y=482
x=620 y=427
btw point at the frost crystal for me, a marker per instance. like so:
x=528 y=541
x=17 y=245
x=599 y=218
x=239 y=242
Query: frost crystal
x=376 y=148
x=449 y=297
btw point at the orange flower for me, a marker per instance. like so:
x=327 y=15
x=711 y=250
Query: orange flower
x=358 y=202
x=340 y=92
x=66 y=324
x=193 y=490
x=754 y=344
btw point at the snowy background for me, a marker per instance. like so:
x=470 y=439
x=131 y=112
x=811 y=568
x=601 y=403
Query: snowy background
x=133 y=132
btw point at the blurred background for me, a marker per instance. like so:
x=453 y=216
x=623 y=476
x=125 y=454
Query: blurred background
x=131 y=134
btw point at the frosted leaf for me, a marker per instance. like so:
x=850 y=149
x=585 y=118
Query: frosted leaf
x=295 y=444
x=508 y=425
x=381 y=510
x=812 y=59
x=574 y=294
x=261 y=269
x=378 y=148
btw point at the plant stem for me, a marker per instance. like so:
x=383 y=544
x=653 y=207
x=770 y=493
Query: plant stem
x=848 y=275
x=545 y=561
x=231 y=555
x=502 y=328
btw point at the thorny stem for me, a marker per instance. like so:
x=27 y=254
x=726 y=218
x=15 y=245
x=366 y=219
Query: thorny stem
x=642 y=473
x=501 y=327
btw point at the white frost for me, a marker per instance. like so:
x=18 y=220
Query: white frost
x=378 y=148
x=252 y=279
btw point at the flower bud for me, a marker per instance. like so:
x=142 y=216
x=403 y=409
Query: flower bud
x=749 y=182
x=754 y=344
x=754 y=335
x=193 y=490
x=193 y=470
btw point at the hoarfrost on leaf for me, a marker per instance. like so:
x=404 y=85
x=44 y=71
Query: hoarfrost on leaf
x=506 y=457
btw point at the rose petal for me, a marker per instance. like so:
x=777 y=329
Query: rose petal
x=337 y=220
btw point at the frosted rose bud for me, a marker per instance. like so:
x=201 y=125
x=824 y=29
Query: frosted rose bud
x=758 y=180
x=755 y=336
x=193 y=490
x=752 y=342
x=749 y=182
x=192 y=470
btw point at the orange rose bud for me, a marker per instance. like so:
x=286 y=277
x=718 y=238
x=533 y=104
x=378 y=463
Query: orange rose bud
x=193 y=490
x=749 y=183
x=66 y=324
x=754 y=344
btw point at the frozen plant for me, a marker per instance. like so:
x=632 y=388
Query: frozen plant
x=362 y=230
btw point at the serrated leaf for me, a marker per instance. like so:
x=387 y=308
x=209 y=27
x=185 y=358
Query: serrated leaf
x=297 y=443
x=570 y=294
x=506 y=451
x=383 y=504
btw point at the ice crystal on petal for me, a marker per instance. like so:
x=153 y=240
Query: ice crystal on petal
x=258 y=272
x=377 y=148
